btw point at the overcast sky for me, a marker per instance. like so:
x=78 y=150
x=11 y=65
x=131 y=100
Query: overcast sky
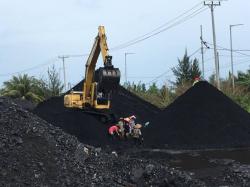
x=35 y=32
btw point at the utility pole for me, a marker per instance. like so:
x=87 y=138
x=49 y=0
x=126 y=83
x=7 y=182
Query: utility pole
x=218 y=64
x=64 y=72
x=231 y=46
x=126 y=78
x=202 y=54
x=211 y=5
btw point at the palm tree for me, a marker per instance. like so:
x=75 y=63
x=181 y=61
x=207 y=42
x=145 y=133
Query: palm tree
x=22 y=86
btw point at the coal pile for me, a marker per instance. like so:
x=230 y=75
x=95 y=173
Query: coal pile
x=125 y=103
x=35 y=153
x=87 y=128
x=27 y=105
x=203 y=117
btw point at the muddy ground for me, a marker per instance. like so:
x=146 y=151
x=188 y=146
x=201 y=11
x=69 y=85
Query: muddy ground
x=229 y=167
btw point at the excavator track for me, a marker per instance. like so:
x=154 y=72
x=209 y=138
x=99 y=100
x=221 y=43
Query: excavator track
x=104 y=116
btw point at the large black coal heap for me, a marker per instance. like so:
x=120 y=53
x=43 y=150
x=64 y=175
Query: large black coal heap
x=85 y=126
x=201 y=117
x=35 y=153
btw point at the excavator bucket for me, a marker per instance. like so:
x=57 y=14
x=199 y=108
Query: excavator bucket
x=108 y=78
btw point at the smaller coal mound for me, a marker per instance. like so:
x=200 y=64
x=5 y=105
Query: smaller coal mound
x=26 y=104
x=88 y=128
x=35 y=153
x=203 y=117
x=85 y=127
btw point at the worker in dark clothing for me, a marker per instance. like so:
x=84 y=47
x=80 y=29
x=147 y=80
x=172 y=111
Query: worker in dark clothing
x=126 y=128
x=120 y=124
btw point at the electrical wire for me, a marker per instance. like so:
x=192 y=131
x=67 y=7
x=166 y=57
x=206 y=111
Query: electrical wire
x=156 y=29
x=53 y=60
x=70 y=56
x=127 y=44
x=226 y=66
x=156 y=78
x=196 y=51
x=136 y=40
x=226 y=49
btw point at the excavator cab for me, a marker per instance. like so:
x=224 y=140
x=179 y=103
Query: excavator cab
x=98 y=84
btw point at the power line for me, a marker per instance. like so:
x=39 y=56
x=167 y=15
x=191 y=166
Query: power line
x=53 y=60
x=163 y=30
x=243 y=50
x=166 y=73
x=156 y=78
x=134 y=41
x=226 y=66
x=156 y=29
x=127 y=44
x=225 y=56
x=226 y=49
x=196 y=51
x=72 y=56
x=50 y=61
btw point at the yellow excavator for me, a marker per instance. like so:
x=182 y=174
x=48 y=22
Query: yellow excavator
x=99 y=84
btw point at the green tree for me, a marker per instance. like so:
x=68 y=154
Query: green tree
x=166 y=96
x=186 y=70
x=52 y=85
x=244 y=79
x=153 y=89
x=22 y=86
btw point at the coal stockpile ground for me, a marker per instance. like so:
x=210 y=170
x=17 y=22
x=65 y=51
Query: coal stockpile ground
x=35 y=153
x=203 y=117
x=87 y=128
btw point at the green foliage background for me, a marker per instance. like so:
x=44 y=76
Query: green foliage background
x=37 y=90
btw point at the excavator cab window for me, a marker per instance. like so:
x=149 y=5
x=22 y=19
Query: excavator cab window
x=102 y=99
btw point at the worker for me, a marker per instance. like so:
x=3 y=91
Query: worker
x=120 y=124
x=196 y=79
x=126 y=126
x=114 y=131
x=132 y=121
x=137 y=135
